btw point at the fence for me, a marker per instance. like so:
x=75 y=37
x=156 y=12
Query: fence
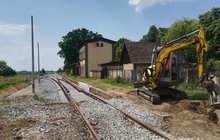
x=115 y=73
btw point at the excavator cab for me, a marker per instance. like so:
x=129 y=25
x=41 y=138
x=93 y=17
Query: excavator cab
x=172 y=72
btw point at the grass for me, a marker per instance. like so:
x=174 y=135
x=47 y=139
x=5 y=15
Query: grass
x=40 y=99
x=6 y=103
x=194 y=91
x=105 y=84
x=7 y=81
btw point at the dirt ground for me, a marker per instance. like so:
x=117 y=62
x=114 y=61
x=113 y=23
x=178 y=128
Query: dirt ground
x=188 y=118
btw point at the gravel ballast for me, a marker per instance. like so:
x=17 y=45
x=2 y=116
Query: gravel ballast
x=109 y=123
x=142 y=114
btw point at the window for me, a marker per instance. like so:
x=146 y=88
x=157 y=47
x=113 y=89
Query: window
x=99 y=45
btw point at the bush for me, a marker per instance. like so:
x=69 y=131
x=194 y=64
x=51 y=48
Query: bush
x=194 y=90
x=118 y=80
x=7 y=72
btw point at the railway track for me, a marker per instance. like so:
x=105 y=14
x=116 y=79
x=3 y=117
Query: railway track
x=102 y=100
x=96 y=97
x=91 y=131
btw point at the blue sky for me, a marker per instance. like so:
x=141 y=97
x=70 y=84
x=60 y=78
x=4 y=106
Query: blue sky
x=53 y=19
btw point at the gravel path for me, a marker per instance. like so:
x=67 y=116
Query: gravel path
x=45 y=117
x=47 y=89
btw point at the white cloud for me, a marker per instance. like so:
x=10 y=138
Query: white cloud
x=141 y=4
x=13 y=29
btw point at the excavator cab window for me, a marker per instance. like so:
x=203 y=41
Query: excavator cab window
x=173 y=69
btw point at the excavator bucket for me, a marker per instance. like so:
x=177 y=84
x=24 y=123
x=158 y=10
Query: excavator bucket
x=214 y=94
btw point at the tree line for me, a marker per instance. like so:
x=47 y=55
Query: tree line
x=210 y=21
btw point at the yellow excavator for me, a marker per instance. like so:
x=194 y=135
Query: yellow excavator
x=168 y=69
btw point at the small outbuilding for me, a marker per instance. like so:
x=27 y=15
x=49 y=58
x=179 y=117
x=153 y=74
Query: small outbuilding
x=136 y=56
x=111 y=70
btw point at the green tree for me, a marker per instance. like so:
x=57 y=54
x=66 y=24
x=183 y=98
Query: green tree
x=161 y=35
x=211 y=22
x=118 y=48
x=152 y=35
x=180 y=28
x=5 y=70
x=71 y=43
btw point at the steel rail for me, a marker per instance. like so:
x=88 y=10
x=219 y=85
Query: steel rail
x=74 y=104
x=96 y=97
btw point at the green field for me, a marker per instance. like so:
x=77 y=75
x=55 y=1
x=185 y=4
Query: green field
x=10 y=81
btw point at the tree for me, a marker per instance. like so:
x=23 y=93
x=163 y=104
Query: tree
x=42 y=72
x=71 y=43
x=162 y=32
x=5 y=70
x=118 y=48
x=152 y=35
x=59 y=70
x=211 y=22
x=180 y=28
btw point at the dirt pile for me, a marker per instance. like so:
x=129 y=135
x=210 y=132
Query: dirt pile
x=200 y=107
x=189 y=118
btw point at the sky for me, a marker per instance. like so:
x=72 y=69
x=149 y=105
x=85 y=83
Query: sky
x=53 y=19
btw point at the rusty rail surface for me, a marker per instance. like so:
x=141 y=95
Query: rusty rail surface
x=96 y=97
x=92 y=132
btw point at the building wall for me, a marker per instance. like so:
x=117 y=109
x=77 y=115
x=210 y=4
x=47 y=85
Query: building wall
x=128 y=66
x=128 y=70
x=82 y=55
x=82 y=68
x=134 y=72
x=114 y=71
x=98 y=54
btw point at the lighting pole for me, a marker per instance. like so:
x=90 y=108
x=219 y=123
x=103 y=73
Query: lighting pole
x=32 y=41
x=38 y=62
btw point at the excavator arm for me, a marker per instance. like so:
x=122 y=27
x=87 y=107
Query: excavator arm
x=152 y=76
x=201 y=49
